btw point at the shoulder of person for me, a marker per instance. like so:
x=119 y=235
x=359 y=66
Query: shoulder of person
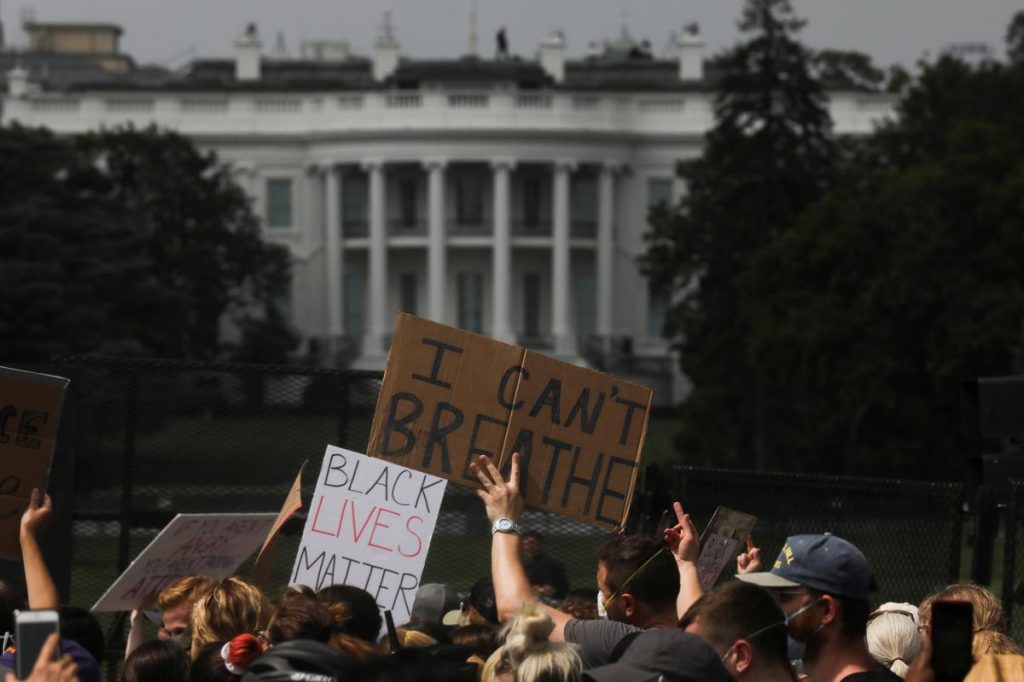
x=577 y=629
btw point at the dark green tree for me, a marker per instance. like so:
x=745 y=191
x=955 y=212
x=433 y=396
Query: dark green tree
x=202 y=235
x=902 y=282
x=769 y=156
x=129 y=242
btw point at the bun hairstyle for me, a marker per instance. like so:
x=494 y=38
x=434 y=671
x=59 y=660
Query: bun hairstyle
x=240 y=652
x=892 y=636
x=530 y=655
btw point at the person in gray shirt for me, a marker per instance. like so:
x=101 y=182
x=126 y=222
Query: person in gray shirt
x=644 y=582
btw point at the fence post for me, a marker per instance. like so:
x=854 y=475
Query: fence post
x=1014 y=518
x=131 y=414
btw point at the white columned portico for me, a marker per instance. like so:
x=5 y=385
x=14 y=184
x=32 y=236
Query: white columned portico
x=333 y=247
x=377 y=327
x=436 y=241
x=561 y=322
x=502 y=254
x=605 y=266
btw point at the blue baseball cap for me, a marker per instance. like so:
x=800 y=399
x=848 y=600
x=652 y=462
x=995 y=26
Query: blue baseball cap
x=824 y=563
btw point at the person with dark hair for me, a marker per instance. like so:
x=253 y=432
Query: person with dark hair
x=581 y=603
x=209 y=665
x=822 y=583
x=354 y=608
x=746 y=627
x=156 y=661
x=300 y=615
x=644 y=582
x=80 y=625
x=480 y=608
x=481 y=640
x=546 y=576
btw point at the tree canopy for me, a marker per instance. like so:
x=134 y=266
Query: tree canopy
x=856 y=316
x=128 y=242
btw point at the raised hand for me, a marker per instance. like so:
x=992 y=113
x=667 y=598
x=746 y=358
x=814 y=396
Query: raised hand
x=501 y=498
x=682 y=539
x=749 y=561
x=36 y=515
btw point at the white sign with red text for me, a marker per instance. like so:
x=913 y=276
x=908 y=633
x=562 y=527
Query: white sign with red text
x=214 y=545
x=369 y=525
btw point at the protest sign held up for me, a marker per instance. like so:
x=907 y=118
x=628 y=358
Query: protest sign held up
x=369 y=525
x=449 y=396
x=213 y=545
x=721 y=542
x=30 y=406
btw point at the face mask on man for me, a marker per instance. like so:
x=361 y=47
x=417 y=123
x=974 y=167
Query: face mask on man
x=601 y=612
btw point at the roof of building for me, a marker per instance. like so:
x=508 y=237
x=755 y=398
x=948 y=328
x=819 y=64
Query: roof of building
x=71 y=25
x=57 y=71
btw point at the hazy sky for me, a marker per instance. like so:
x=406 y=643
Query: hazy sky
x=171 y=31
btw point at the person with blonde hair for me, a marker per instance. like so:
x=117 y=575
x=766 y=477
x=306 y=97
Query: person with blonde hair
x=229 y=608
x=528 y=656
x=990 y=632
x=893 y=636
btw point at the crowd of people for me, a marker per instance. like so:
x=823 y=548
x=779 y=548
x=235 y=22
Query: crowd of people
x=807 y=617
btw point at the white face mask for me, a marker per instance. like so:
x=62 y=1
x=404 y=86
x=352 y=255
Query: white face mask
x=601 y=613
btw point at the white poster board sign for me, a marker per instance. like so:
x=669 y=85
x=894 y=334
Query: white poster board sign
x=214 y=545
x=369 y=525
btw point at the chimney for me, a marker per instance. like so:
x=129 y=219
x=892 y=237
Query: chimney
x=691 y=54
x=552 y=56
x=385 y=50
x=247 y=55
x=17 y=82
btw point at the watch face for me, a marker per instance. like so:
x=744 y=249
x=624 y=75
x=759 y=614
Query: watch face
x=504 y=524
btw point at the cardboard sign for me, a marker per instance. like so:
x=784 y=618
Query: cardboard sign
x=264 y=560
x=449 y=396
x=30 y=406
x=369 y=525
x=213 y=545
x=721 y=543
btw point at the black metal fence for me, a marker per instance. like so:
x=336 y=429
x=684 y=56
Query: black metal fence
x=149 y=439
x=909 y=530
x=1013 y=561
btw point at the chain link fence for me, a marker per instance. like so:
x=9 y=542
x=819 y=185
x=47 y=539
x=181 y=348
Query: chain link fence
x=1013 y=560
x=908 y=530
x=150 y=439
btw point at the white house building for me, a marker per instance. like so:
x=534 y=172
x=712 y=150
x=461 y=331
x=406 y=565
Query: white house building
x=506 y=196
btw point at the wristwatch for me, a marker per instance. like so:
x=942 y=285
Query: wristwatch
x=505 y=526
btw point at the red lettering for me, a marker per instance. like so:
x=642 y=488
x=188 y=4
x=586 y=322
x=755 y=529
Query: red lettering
x=357 y=535
x=316 y=517
x=419 y=541
x=377 y=524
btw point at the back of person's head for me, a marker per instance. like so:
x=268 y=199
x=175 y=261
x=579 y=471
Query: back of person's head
x=354 y=608
x=483 y=601
x=992 y=642
x=301 y=659
x=636 y=564
x=184 y=590
x=300 y=615
x=580 y=603
x=986 y=607
x=481 y=640
x=208 y=665
x=528 y=653
x=737 y=610
x=231 y=607
x=11 y=599
x=80 y=625
x=893 y=638
x=156 y=661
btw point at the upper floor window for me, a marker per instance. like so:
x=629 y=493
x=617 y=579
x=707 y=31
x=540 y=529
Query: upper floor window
x=354 y=200
x=469 y=199
x=471 y=301
x=532 y=193
x=659 y=190
x=279 y=203
x=407 y=202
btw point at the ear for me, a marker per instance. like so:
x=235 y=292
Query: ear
x=831 y=609
x=629 y=604
x=743 y=655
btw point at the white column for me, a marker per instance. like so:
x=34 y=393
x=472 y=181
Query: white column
x=502 y=329
x=333 y=247
x=436 y=242
x=561 y=323
x=605 y=265
x=377 y=322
